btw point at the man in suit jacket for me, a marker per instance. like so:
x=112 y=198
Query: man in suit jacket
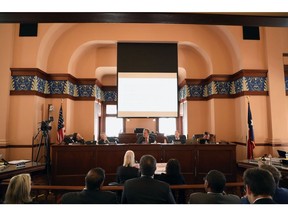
x=214 y=185
x=259 y=186
x=92 y=193
x=281 y=194
x=146 y=189
x=177 y=138
x=146 y=138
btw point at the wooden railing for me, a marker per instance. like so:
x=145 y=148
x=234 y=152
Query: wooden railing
x=52 y=193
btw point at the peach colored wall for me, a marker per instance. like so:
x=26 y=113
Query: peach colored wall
x=197 y=117
x=109 y=80
x=6 y=57
x=82 y=48
x=195 y=65
x=140 y=123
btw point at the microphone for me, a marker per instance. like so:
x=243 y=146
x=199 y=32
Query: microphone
x=5 y=162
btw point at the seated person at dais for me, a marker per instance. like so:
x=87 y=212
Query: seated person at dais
x=214 y=185
x=92 y=193
x=146 y=138
x=281 y=194
x=128 y=170
x=103 y=139
x=73 y=138
x=173 y=176
x=205 y=139
x=177 y=138
x=18 y=191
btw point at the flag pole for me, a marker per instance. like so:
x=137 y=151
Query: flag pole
x=247 y=131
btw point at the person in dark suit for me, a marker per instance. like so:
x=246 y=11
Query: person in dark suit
x=73 y=138
x=259 y=186
x=177 y=138
x=128 y=170
x=146 y=189
x=146 y=138
x=103 y=139
x=281 y=194
x=173 y=176
x=92 y=193
x=214 y=185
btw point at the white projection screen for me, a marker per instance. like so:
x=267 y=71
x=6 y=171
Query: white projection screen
x=147 y=94
x=147 y=79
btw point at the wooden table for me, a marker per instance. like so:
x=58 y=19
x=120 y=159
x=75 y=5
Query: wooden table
x=11 y=170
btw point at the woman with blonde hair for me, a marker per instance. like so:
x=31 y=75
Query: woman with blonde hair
x=128 y=170
x=18 y=191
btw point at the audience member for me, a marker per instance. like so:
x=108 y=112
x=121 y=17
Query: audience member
x=18 y=191
x=128 y=170
x=92 y=193
x=281 y=194
x=259 y=186
x=73 y=138
x=103 y=139
x=173 y=176
x=146 y=189
x=146 y=138
x=214 y=185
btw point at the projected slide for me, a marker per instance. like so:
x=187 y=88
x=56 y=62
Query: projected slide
x=147 y=94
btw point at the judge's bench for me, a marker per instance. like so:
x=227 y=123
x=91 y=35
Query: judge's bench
x=70 y=163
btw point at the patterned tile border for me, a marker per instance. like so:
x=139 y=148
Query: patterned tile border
x=33 y=81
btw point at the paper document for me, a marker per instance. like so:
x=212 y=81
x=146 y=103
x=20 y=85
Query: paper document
x=18 y=161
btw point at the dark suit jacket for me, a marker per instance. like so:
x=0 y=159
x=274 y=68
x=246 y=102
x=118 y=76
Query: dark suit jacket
x=101 y=141
x=181 y=140
x=179 y=195
x=89 y=197
x=146 y=190
x=213 y=198
x=280 y=196
x=141 y=139
x=125 y=173
x=264 y=201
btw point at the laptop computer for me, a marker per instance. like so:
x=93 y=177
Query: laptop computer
x=281 y=153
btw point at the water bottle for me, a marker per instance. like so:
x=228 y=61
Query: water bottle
x=269 y=159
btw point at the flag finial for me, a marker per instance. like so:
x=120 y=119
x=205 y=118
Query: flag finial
x=248 y=99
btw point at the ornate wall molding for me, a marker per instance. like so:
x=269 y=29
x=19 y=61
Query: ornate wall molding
x=244 y=82
x=33 y=81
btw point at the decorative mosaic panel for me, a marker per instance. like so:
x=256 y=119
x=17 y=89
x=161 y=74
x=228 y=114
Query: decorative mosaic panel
x=54 y=87
x=110 y=96
x=197 y=91
x=243 y=84
x=286 y=83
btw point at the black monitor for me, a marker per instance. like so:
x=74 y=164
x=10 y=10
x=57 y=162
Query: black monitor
x=138 y=130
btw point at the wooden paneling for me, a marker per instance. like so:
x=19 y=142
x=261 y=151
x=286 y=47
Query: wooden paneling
x=71 y=163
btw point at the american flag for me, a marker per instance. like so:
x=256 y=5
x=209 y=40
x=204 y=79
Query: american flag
x=61 y=128
x=251 y=141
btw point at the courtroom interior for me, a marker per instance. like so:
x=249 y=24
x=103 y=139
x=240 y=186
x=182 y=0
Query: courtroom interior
x=69 y=61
